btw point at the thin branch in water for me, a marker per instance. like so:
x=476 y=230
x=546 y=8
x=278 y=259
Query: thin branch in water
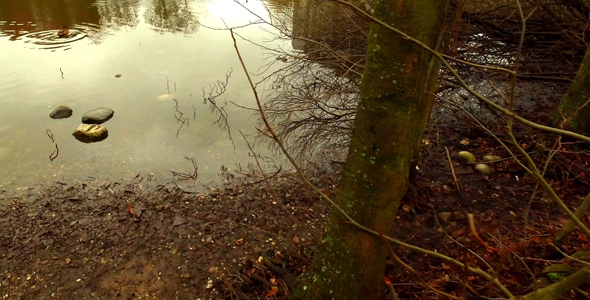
x=216 y=91
x=55 y=152
x=168 y=84
x=186 y=176
x=179 y=116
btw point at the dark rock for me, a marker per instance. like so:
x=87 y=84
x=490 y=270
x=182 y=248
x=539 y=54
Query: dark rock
x=90 y=133
x=61 y=112
x=97 y=116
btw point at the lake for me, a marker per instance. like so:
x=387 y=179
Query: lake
x=139 y=58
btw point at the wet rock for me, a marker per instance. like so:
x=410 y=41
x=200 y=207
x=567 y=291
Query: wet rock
x=90 y=133
x=465 y=157
x=61 y=112
x=97 y=116
x=491 y=158
x=483 y=169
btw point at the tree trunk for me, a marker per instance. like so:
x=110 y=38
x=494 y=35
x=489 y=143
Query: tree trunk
x=556 y=290
x=565 y=231
x=570 y=105
x=392 y=113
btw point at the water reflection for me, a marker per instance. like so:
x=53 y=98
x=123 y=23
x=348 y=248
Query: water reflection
x=37 y=22
x=162 y=54
x=172 y=16
x=22 y=17
x=50 y=39
x=117 y=13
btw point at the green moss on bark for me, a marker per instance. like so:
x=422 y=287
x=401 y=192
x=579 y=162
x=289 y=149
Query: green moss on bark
x=576 y=96
x=392 y=113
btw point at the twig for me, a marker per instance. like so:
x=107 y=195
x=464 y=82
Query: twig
x=337 y=207
x=462 y=82
x=215 y=91
x=186 y=176
x=266 y=178
x=459 y=189
x=414 y=272
x=179 y=116
x=55 y=148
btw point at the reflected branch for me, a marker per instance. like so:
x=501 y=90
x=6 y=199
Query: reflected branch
x=210 y=97
x=179 y=116
x=186 y=176
x=55 y=152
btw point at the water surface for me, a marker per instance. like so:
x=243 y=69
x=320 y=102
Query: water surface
x=162 y=53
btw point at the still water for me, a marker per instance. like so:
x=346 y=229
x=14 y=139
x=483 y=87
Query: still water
x=163 y=50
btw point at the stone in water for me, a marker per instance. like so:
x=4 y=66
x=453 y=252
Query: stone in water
x=97 y=116
x=90 y=133
x=61 y=112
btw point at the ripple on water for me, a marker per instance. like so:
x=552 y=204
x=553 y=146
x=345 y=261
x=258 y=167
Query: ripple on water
x=49 y=40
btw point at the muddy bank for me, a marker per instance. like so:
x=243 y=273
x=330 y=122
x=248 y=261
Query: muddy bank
x=136 y=241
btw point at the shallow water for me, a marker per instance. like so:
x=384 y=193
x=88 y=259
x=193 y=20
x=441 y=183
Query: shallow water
x=163 y=54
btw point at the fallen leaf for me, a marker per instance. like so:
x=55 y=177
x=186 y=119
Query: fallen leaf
x=273 y=291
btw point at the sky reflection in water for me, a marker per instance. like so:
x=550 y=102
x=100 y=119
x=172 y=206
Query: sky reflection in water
x=161 y=52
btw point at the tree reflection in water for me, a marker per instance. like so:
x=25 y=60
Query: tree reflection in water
x=95 y=17
x=172 y=16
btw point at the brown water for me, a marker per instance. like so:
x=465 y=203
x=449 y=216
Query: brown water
x=162 y=53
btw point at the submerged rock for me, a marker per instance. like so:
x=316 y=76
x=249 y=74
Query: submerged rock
x=61 y=112
x=97 y=116
x=90 y=133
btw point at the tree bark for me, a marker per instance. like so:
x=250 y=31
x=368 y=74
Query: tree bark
x=570 y=112
x=565 y=231
x=554 y=291
x=395 y=103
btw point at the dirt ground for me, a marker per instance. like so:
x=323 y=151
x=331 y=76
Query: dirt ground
x=139 y=240
x=136 y=241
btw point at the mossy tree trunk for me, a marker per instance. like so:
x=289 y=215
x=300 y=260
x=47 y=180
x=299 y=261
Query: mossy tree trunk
x=394 y=107
x=556 y=290
x=572 y=101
